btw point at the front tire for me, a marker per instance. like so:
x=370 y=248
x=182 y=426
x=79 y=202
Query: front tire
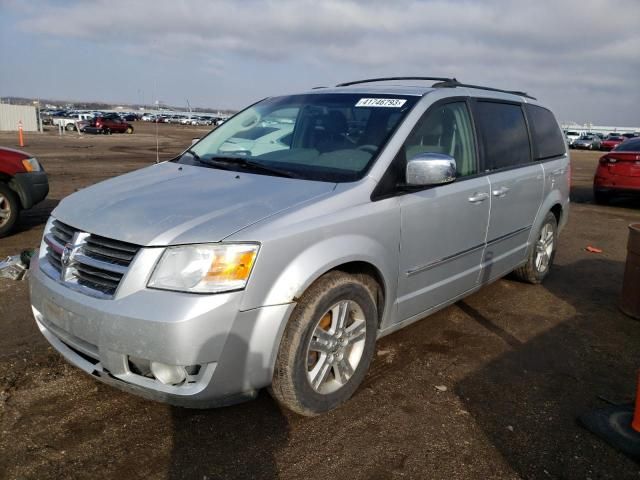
x=9 y=209
x=327 y=345
x=542 y=254
x=129 y=130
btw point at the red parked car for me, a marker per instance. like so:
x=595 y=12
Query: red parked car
x=618 y=172
x=611 y=142
x=108 y=124
x=23 y=183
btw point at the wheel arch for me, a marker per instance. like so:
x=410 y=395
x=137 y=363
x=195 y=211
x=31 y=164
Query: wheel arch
x=371 y=272
x=359 y=254
x=556 y=209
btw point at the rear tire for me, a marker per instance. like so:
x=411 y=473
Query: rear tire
x=541 y=254
x=70 y=127
x=327 y=345
x=9 y=209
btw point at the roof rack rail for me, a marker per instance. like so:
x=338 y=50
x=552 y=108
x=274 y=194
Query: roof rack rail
x=441 y=82
x=384 y=79
x=454 y=83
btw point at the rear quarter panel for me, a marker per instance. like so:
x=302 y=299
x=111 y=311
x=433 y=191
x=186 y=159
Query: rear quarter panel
x=556 y=191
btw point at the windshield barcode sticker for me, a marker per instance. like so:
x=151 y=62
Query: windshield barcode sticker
x=381 y=102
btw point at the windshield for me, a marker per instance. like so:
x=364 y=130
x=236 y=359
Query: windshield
x=326 y=137
x=573 y=134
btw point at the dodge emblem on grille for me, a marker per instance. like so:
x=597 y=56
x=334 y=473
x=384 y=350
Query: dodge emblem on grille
x=65 y=258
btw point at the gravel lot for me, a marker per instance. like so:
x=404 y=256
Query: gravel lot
x=519 y=363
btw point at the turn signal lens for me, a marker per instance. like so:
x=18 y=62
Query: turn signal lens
x=31 y=165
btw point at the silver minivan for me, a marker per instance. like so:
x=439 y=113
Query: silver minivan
x=277 y=249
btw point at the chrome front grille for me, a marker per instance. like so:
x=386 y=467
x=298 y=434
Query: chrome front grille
x=86 y=262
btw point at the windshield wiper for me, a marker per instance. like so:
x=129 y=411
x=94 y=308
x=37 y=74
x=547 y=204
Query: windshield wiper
x=223 y=161
x=195 y=156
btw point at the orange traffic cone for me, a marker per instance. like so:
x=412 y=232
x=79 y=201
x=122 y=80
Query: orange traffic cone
x=20 y=135
x=618 y=425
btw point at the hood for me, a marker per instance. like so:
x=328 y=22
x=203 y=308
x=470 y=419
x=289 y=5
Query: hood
x=7 y=153
x=170 y=204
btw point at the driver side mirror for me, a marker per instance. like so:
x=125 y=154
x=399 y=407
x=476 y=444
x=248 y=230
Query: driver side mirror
x=430 y=169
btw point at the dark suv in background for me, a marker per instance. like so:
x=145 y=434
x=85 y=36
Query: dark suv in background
x=108 y=124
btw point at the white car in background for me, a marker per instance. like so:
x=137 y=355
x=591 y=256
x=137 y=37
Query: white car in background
x=572 y=136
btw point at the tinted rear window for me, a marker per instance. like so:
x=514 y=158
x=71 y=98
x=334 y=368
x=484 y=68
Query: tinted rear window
x=503 y=131
x=629 y=146
x=545 y=133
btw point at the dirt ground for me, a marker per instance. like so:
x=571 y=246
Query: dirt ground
x=519 y=363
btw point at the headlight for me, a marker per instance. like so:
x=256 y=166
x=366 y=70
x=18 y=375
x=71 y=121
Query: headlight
x=31 y=165
x=204 y=268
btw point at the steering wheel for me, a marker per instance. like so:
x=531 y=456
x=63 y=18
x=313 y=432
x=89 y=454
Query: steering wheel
x=368 y=148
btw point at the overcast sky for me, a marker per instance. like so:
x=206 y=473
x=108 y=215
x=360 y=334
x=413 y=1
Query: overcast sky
x=582 y=58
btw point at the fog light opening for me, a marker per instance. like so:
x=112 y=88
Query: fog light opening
x=168 y=374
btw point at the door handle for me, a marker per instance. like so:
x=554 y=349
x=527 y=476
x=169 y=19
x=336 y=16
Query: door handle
x=478 y=197
x=501 y=192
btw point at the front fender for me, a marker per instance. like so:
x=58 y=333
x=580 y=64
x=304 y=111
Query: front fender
x=31 y=187
x=303 y=251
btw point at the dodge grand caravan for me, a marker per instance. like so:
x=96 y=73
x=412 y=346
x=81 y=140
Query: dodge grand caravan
x=200 y=280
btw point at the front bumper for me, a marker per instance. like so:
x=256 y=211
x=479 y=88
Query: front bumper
x=31 y=187
x=235 y=350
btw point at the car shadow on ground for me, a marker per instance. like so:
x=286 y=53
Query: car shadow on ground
x=527 y=400
x=228 y=443
x=236 y=442
x=584 y=194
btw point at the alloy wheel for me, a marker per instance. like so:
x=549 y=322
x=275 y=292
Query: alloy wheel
x=544 y=248
x=336 y=346
x=5 y=210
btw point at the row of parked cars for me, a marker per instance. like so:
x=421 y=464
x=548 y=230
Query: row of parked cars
x=69 y=119
x=193 y=119
x=597 y=141
x=53 y=117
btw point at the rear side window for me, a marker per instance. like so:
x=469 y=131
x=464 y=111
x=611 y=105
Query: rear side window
x=547 y=138
x=503 y=131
